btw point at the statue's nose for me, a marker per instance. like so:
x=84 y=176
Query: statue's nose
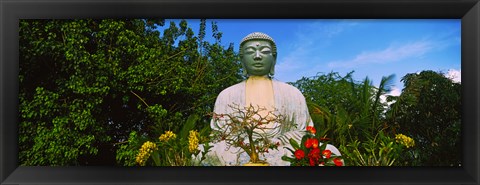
x=257 y=56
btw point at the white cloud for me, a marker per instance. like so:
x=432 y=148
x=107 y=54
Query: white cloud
x=320 y=33
x=394 y=92
x=287 y=66
x=454 y=75
x=325 y=29
x=291 y=68
x=302 y=54
x=391 y=54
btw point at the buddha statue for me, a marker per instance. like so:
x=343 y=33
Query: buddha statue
x=258 y=55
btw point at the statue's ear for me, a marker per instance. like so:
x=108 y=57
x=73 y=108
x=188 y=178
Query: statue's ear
x=244 y=69
x=272 y=69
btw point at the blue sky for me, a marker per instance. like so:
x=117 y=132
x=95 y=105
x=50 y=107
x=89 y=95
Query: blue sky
x=371 y=48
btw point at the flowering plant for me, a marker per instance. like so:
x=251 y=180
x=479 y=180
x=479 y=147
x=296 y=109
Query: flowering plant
x=311 y=153
x=171 y=149
x=247 y=129
x=404 y=140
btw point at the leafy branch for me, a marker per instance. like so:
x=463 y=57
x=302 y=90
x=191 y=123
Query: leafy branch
x=247 y=123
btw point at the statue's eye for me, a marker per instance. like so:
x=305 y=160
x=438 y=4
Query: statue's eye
x=266 y=51
x=249 y=51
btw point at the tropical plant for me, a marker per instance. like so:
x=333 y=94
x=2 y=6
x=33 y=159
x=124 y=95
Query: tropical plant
x=344 y=109
x=429 y=109
x=310 y=152
x=348 y=112
x=381 y=150
x=169 y=149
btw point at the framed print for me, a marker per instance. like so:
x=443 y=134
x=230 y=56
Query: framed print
x=91 y=90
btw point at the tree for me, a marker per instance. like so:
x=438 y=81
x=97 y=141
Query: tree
x=344 y=109
x=352 y=116
x=429 y=110
x=86 y=84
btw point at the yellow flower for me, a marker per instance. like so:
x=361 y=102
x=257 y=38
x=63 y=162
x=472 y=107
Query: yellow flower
x=145 y=151
x=193 y=141
x=405 y=140
x=167 y=136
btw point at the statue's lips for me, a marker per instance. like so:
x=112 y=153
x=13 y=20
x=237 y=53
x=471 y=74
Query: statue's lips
x=258 y=65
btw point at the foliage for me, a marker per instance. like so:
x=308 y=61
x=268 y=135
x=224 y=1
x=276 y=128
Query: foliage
x=94 y=91
x=128 y=150
x=429 y=109
x=247 y=129
x=310 y=152
x=362 y=126
x=86 y=85
x=169 y=149
x=381 y=150
x=345 y=110
x=348 y=112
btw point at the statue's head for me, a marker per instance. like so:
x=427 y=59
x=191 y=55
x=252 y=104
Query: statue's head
x=258 y=54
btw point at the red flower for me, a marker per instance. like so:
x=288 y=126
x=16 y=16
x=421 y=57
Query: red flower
x=299 y=154
x=315 y=143
x=311 y=142
x=312 y=162
x=308 y=143
x=327 y=153
x=314 y=153
x=314 y=156
x=311 y=129
x=338 y=162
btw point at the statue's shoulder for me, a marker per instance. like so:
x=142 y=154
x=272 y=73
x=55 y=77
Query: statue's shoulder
x=239 y=87
x=287 y=87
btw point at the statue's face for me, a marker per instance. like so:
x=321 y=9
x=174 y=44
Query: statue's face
x=257 y=57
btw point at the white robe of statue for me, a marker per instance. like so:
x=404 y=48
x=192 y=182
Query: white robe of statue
x=264 y=92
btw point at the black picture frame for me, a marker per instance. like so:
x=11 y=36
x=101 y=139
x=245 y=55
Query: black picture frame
x=12 y=11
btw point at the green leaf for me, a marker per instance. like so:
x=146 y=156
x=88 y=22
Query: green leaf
x=289 y=159
x=323 y=146
x=189 y=125
x=294 y=144
x=156 y=158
